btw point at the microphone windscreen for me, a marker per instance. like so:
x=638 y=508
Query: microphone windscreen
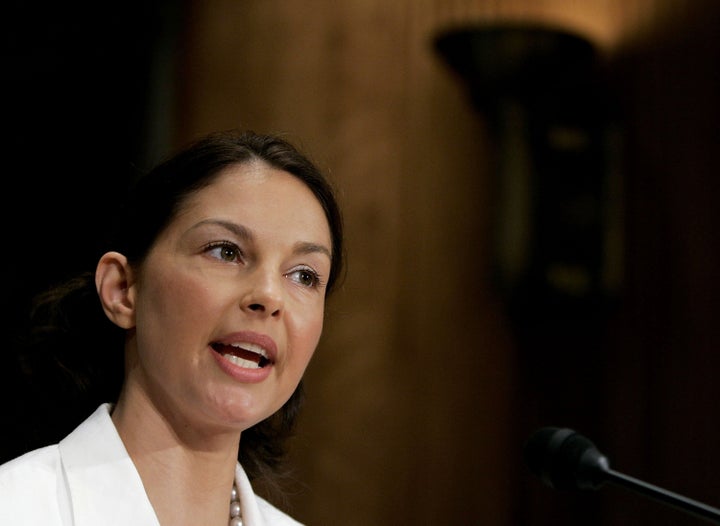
x=564 y=459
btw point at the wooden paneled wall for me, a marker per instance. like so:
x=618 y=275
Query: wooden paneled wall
x=414 y=408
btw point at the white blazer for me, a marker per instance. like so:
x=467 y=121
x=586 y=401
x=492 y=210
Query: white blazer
x=88 y=479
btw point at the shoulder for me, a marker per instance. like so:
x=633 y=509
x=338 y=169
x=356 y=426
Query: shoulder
x=28 y=485
x=274 y=516
x=33 y=485
x=40 y=463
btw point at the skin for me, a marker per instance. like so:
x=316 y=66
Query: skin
x=245 y=260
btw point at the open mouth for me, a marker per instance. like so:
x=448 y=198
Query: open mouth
x=248 y=355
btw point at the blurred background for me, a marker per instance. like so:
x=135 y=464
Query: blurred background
x=530 y=191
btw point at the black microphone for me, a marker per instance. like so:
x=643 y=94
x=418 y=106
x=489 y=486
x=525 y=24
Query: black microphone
x=564 y=459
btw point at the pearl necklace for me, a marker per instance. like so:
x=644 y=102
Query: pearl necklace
x=235 y=517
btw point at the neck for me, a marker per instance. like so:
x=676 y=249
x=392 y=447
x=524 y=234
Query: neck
x=188 y=476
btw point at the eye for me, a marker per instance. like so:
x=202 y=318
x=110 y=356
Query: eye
x=225 y=251
x=306 y=277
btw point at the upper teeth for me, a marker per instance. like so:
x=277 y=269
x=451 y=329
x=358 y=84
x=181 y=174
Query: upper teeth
x=251 y=347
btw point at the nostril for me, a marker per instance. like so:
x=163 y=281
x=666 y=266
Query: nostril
x=256 y=307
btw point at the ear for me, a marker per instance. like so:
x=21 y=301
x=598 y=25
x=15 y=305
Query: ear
x=114 y=282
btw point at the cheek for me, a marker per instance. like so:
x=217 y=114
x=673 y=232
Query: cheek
x=172 y=307
x=305 y=333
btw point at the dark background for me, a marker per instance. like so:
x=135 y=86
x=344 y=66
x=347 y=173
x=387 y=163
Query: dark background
x=75 y=85
x=80 y=118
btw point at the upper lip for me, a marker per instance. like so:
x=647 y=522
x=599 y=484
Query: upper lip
x=251 y=341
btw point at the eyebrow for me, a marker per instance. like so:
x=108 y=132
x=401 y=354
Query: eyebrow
x=302 y=247
x=309 y=248
x=239 y=230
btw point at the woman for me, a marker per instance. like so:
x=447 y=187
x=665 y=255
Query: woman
x=194 y=333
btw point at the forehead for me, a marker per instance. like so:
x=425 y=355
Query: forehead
x=266 y=196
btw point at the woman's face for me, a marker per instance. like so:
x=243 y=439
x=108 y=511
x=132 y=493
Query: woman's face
x=230 y=300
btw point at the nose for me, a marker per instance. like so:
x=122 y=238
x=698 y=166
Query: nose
x=263 y=294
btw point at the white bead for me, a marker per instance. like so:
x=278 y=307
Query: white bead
x=235 y=519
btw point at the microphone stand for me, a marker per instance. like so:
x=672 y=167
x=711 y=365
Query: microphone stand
x=693 y=507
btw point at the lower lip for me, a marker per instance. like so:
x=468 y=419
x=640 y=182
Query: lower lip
x=241 y=374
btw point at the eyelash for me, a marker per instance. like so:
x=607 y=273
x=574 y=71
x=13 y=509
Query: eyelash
x=315 y=280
